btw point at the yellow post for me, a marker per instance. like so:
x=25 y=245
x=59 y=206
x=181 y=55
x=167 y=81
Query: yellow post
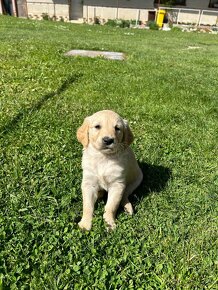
x=160 y=17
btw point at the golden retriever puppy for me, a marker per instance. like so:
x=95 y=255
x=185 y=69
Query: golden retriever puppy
x=108 y=165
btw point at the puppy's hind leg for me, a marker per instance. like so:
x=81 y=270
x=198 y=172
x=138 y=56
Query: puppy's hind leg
x=125 y=200
x=128 y=191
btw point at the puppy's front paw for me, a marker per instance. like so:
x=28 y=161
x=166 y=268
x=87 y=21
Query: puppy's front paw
x=110 y=222
x=85 y=225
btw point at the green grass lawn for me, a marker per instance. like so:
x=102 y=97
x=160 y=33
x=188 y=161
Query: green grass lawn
x=168 y=92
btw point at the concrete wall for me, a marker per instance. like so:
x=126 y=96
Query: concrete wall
x=58 y=8
x=21 y=8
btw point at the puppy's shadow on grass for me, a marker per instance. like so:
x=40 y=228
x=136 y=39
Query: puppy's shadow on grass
x=155 y=179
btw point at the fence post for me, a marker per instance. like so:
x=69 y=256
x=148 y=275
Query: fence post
x=137 y=16
x=1 y=12
x=14 y=10
x=117 y=12
x=87 y=7
x=199 y=23
x=177 y=22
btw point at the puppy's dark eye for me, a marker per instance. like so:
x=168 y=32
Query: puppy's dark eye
x=97 y=127
x=117 y=128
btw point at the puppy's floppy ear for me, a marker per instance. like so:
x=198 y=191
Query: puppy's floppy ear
x=83 y=133
x=128 y=135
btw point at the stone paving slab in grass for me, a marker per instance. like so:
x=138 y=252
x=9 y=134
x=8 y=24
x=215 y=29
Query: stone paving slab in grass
x=94 y=53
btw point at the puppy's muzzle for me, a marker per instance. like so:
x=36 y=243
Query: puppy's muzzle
x=107 y=141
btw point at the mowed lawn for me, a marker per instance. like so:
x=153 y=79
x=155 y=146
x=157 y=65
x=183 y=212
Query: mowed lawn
x=167 y=88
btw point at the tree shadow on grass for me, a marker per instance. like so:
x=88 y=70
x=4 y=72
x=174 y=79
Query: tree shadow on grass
x=155 y=179
x=13 y=124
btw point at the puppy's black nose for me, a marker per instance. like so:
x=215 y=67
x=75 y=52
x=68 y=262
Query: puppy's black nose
x=108 y=140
